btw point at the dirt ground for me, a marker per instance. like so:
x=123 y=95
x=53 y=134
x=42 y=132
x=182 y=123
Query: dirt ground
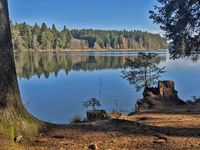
x=144 y=131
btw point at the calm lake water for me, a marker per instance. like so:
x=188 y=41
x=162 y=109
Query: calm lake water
x=54 y=85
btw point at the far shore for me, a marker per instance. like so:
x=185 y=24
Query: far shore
x=93 y=50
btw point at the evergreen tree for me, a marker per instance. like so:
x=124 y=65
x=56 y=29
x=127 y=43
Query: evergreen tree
x=54 y=30
x=180 y=19
x=44 y=27
x=36 y=30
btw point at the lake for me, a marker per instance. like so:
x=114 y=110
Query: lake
x=54 y=85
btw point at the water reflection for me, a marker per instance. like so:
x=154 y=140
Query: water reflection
x=31 y=64
x=56 y=84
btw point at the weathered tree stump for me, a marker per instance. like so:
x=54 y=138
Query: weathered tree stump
x=162 y=96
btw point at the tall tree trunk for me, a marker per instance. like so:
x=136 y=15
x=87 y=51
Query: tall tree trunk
x=8 y=85
x=12 y=112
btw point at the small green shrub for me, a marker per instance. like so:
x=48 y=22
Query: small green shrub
x=12 y=134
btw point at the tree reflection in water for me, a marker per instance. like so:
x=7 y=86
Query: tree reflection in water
x=45 y=63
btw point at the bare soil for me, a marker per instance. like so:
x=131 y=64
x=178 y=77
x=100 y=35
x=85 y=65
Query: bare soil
x=175 y=130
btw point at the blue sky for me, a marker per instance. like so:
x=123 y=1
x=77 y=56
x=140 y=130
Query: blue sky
x=101 y=14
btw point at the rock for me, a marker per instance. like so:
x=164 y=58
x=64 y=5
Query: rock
x=159 y=141
x=18 y=139
x=162 y=96
x=93 y=147
x=40 y=140
x=161 y=136
x=93 y=115
x=58 y=136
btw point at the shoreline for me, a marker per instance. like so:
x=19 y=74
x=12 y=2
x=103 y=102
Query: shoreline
x=94 y=50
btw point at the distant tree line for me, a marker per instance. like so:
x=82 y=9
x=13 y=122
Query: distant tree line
x=114 y=39
x=27 y=37
x=37 y=37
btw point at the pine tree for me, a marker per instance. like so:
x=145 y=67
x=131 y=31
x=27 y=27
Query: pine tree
x=180 y=19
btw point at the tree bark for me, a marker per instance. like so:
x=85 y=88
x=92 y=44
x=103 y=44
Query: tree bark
x=12 y=111
x=8 y=85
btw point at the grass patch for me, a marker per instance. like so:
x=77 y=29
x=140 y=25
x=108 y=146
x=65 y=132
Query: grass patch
x=11 y=127
x=6 y=130
x=12 y=134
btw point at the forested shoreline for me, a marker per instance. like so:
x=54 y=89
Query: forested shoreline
x=26 y=38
